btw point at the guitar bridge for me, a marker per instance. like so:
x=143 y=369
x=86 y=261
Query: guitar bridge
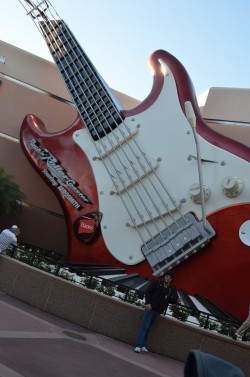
x=177 y=243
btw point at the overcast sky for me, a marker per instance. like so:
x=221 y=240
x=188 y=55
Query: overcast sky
x=210 y=38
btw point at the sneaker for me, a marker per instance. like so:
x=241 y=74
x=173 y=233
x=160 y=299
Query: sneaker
x=137 y=349
x=235 y=336
x=144 y=349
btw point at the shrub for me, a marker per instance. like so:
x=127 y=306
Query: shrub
x=179 y=312
x=10 y=195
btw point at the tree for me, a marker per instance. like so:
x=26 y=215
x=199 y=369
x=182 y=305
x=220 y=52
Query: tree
x=10 y=194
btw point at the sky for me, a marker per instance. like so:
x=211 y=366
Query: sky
x=210 y=38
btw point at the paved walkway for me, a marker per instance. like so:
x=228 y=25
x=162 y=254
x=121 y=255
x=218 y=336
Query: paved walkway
x=36 y=344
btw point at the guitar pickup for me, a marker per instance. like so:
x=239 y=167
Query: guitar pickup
x=113 y=141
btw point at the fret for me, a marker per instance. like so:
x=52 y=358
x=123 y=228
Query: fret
x=93 y=100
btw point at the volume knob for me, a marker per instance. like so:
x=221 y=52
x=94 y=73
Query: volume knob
x=195 y=193
x=232 y=186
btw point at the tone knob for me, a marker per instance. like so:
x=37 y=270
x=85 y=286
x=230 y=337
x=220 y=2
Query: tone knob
x=195 y=193
x=232 y=186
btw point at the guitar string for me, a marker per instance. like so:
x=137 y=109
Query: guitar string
x=118 y=127
x=120 y=144
x=34 y=18
x=70 y=55
x=117 y=155
x=114 y=148
x=114 y=165
x=127 y=140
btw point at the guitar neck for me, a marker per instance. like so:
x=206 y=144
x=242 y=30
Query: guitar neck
x=96 y=104
x=91 y=95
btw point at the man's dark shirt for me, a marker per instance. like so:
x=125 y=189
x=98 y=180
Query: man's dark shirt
x=159 y=296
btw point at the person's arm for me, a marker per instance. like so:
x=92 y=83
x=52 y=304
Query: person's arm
x=148 y=293
x=174 y=298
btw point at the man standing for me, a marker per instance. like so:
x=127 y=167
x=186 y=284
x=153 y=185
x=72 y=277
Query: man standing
x=157 y=297
x=8 y=237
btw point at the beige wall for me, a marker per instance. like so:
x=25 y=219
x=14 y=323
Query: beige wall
x=229 y=106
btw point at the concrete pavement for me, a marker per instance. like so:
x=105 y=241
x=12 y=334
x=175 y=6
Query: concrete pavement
x=37 y=344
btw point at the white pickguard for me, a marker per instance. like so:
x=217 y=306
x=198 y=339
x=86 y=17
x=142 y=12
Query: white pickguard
x=166 y=138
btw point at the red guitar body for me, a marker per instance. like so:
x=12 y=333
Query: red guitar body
x=220 y=272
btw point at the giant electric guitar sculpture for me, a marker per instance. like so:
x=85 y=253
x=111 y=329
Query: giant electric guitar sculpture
x=133 y=185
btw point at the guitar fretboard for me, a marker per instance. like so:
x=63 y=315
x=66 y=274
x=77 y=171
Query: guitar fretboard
x=88 y=91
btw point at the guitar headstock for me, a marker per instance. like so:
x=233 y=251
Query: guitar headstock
x=37 y=10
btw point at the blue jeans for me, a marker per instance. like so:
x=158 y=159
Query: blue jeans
x=148 y=319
